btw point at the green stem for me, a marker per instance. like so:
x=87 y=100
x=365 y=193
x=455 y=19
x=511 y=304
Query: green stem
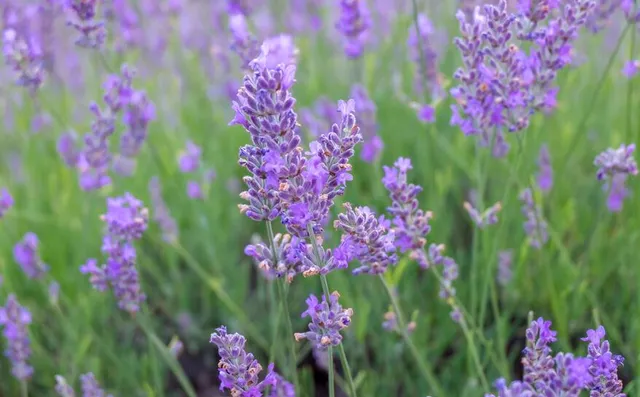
x=275 y=326
x=327 y=294
x=24 y=389
x=284 y=308
x=332 y=387
x=427 y=373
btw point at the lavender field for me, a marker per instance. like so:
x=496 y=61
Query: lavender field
x=319 y=198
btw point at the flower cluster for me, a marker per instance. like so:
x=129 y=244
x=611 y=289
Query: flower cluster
x=613 y=162
x=327 y=320
x=545 y=171
x=82 y=17
x=410 y=223
x=366 y=238
x=365 y=107
x=126 y=219
x=14 y=320
x=501 y=85
x=137 y=111
x=26 y=254
x=535 y=226
x=24 y=57
x=564 y=374
x=6 y=201
x=486 y=218
x=291 y=255
x=238 y=370
x=88 y=384
x=354 y=24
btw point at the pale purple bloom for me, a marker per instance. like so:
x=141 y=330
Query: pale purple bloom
x=90 y=387
x=24 y=57
x=67 y=149
x=54 y=292
x=422 y=51
x=82 y=17
x=545 y=170
x=616 y=161
x=14 y=320
x=189 y=160
x=244 y=43
x=617 y=192
x=63 y=388
x=535 y=226
x=280 y=50
x=354 y=24
x=194 y=190
x=293 y=252
x=365 y=107
x=27 y=256
x=631 y=68
x=505 y=262
x=426 y=113
x=328 y=318
x=486 y=218
x=6 y=201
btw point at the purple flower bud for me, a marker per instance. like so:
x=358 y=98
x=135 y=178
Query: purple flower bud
x=67 y=149
x=366 y=109
x=14 y=320
x=26 y=254
x=161 y=213
x=354 y=24
x=488 y=217
x=535 y=226
x=616 y=161
x=6 y=201
x=505 y=262
x=327 y=320
x=189 y=160
x=631 y=68
x=545 y=173
x=82 y=17
x=63 y=388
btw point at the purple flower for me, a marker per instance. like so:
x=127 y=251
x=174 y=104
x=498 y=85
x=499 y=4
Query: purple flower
x=82 y=17
x=535 y=226
x=293 y=252
x=244 y=44
x=26 y=254
x=545 y=171
x=63 y=388
x=238 y=370
x=14 y=320
x=264 y=107
x=410 y=223
x=6 y=201
x=161 y=213
x=327 y=320
x=617 y=192
x=126 y=219
x=616 y=161
x=67 y=149
x=280 y=387
x=631 y=68
x=426 y=113
x=194 y=190
x=423 y=53
x=354 y=24
x=280 y=50
x=505 y=262
x=366 y=109
x=24 y=57
x=189 y=160
x=604 y=365
x=90 y=387
x=371 y=239
x=488 y=217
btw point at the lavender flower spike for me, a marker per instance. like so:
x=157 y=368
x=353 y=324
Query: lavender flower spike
x=82 y=17
x=366 y=108
x=616 y=161
x=25 y=58
x=535 y=226
x=26 y=254
x=63 y=388
x=14 y=320
x=545 y=173
x=6 y=202
x=327 y=320
x=354 y=24
x=238 y=370
x=90 y=386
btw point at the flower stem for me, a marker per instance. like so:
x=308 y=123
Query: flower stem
x=427 y=373
x=24 y=389
x=332 y=388
x=284 y=308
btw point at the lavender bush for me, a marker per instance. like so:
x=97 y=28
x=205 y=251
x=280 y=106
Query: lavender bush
x=346 y=198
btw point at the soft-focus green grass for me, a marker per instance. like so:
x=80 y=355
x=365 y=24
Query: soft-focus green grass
x=586 y=274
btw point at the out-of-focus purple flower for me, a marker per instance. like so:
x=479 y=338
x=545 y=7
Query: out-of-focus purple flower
x=292 y=253
x=82 y=17
x=136 y=117
x=243 y=42
x=194 y=190
x=368 y=238
x=488 y=217
x=26 y=254
x=616 y=161
x=423 y=53
x=238 y=370
x=365 y=107
x=90 y=387
x=354 y=24
x=304 y=16
x=535 y=226
x=617 y=192
x=24 y=57
x=265 y=109
x=501 y=86
x=545 y=170
x=189 y=160
x=161 y=213
x=63 y=388
x=54 y=292
x=126 y=219
x=6 y=201
x=14 y=319
x=67 y=149
x=426 y=113
x=410 y=223
x=280 y=387
x=327 y=320
x=601 y=16
x=505 y=262
x=450 y=271
x=280 y=50
x=239 y=7
x=631 y=68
